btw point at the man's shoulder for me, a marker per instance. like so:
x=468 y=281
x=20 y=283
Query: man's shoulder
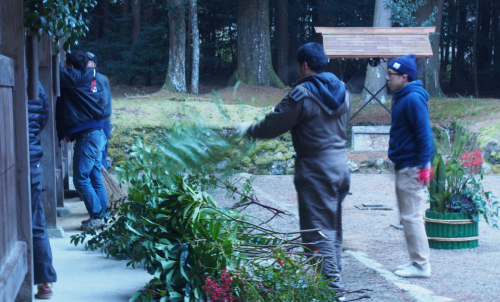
x=101 y=79
x=298 y=93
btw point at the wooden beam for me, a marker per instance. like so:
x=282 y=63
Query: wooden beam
x=32 y=59
x=48 y=135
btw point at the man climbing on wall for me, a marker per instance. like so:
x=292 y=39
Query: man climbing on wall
x=79 y=118
x=105 y=98
x=411 y=149
x=44 y=272
x=316 y=113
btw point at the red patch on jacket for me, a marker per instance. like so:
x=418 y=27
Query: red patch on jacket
x=93 y=86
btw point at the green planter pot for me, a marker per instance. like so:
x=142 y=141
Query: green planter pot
x=451 y=231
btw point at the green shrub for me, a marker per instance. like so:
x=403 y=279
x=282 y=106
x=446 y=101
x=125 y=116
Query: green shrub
x=173 y=227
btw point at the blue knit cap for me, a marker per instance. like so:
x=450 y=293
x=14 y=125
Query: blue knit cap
x=405 y=65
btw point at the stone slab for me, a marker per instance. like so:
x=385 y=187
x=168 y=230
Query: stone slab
x=56 y=232
x=64 y=211
x=84 y=276
x=370 y=138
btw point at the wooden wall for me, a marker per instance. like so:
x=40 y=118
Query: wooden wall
x=16 y=275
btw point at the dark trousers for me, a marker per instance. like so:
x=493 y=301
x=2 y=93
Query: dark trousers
x=107 y=132
x=42 y=253
x=322 y=183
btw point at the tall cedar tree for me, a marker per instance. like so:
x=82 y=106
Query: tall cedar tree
x=176 y=73
x=195 y=35
x=254 y=45
x=429 y=69
x=282 y=26
x=136 y=20
x=376 y=76
x=105 y=17
x=124 y=16
x=97 y=21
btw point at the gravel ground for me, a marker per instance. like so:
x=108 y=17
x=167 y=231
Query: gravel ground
x=462 y=275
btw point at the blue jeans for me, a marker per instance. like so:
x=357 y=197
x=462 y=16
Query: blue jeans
x=87 y=176
x=107 y=132
x=42 y=253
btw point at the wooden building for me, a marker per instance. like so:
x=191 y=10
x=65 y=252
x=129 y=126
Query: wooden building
x=16 y=272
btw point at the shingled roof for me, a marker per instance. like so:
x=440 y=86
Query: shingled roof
x=372 y=42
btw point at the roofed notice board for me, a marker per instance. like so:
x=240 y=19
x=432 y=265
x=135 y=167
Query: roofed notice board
x=376 y=42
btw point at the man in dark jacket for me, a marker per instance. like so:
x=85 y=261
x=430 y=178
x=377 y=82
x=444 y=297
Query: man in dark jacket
x=316 y=112
x=44 y=272
x=411 y=148
x=80 y=119
x=105 y=98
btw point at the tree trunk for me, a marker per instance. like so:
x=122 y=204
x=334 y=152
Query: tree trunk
x=293 y=46
x=254 y=45
x=136 y=20
x=453 y=74
x=124 y=17
x=176 y=73
x=149 y=12
x=428 y=69
x=495 y=24
x=376 y=76
x=105 y=17
x=282 y=25
x=475 y=48
x=446 y=61
x=461 y=40
x=195 y=35
x=97 y=22
x=484 y=58
x=189 y=55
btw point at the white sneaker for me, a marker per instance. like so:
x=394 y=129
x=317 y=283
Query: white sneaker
x=414 y=272
x=403 y=266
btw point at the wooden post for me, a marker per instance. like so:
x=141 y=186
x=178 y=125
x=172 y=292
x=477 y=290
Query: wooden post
x=48 y=139
x=67 y=148
x=55 y=76
x=60 y=146
x=12 y=34
x=32 y=58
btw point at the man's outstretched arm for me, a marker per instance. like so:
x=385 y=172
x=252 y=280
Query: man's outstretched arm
x=286 y=115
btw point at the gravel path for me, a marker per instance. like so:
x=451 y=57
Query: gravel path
x=462 y=275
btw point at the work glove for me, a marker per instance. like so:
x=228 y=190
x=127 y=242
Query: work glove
x=242 y=128
x=425 y=175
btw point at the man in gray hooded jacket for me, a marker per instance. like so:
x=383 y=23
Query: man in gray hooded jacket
x=316 y=112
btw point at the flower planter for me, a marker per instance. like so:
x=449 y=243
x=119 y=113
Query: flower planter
x=451 y=231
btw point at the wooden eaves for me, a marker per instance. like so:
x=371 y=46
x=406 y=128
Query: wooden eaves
x=372 y=42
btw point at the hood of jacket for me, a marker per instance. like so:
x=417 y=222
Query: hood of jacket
x=326 y=87
x=413 y=87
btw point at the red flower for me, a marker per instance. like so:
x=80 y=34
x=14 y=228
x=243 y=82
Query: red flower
x=472 y=161
x=220 y=291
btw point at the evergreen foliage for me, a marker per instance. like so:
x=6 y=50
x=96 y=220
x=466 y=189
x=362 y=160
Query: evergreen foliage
x=177 y=231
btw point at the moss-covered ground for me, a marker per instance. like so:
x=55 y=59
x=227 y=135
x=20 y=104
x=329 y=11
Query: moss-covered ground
x=138 y=112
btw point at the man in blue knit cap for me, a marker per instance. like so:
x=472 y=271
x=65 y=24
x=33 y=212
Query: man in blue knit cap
x=411 y=148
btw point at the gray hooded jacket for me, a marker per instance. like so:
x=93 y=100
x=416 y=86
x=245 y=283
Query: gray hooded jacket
x=322 y=176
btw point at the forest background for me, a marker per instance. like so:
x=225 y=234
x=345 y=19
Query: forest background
x=168 y=42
